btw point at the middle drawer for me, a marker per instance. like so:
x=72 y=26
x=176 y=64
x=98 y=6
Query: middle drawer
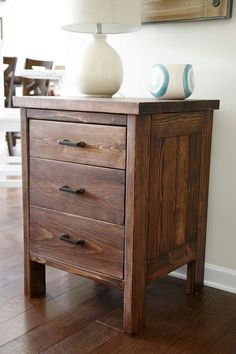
x=93 y=192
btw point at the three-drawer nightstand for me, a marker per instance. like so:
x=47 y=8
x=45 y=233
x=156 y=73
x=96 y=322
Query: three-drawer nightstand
x=115 y=190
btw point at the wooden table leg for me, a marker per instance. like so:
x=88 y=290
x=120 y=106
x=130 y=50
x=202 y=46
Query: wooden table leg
x=34 y=272
x=134 y=308
x=195 y=272
x=137 y=177
x=34 y=279
x=195 y=277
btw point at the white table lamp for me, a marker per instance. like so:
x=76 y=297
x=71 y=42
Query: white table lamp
x=101 y=71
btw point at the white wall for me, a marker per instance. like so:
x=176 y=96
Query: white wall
x=31 y=28
x=210 y=46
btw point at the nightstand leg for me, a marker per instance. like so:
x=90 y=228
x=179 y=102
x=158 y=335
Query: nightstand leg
x=34 y=273
x=136 y=231
x=34 y=279
x=195 y=277
x=134 y=309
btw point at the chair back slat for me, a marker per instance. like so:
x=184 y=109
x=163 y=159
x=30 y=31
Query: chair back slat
x=9 y=74
x=36 y=87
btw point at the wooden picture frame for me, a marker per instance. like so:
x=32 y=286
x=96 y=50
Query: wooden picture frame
x=188 y=10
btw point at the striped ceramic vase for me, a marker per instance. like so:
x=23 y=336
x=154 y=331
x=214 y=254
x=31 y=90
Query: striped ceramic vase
x=172 y=81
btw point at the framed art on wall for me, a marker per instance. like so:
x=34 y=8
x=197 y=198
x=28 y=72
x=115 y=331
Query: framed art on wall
x=189 y=10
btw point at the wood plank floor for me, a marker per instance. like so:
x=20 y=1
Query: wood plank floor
x=80 y=316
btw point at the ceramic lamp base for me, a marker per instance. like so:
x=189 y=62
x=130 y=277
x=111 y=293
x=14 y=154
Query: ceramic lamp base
x=101 y=71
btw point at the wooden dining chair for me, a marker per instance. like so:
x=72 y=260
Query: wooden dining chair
x=36 y=87
x=9 y=73
x=30 y=87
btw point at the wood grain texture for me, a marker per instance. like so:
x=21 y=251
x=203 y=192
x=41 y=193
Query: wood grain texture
x=159 y=197
x=181 y=204
x=68 y=319
x=137 y=179
x=175 y=124
x=196 y=270
x=173 y=189
x=177 y=10
x=132 y=106
x=104 y=145
x=34 y=278
x=102 y=250
x=103 y=196
x=155 y=198
x=170 y=261
x=48 y=316
x=168 y=196
x=91 y=337
x=176 y=171
x=193 y=186
x=93 y=275
x=196 y=325
x=78 y=117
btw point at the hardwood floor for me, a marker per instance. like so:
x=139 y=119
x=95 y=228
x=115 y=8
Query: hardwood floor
x=80 y=316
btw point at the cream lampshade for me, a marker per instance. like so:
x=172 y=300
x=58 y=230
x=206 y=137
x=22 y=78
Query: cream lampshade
x=101 y=71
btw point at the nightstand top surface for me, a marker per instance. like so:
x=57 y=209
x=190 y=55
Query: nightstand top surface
x=115 y=105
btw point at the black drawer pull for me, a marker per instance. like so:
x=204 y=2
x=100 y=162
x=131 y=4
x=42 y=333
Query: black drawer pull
x=71 y=143
x=67 y=189
x=216 y=3
x=66 y=237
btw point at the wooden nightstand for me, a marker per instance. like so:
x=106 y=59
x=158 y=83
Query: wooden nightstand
x=115 y=190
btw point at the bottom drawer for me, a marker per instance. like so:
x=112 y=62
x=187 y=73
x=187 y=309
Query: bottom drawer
x=100 y=249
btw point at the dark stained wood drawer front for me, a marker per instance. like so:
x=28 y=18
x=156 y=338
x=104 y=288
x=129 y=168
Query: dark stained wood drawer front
x=100 y=251
x=100 y=191
x=97 y=145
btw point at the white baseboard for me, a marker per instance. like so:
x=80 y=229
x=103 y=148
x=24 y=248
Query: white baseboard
x=215 y=276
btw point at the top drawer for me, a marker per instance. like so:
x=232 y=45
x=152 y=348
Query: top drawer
x=99 y=145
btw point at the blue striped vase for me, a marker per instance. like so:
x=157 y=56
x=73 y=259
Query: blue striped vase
x=172 y=81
